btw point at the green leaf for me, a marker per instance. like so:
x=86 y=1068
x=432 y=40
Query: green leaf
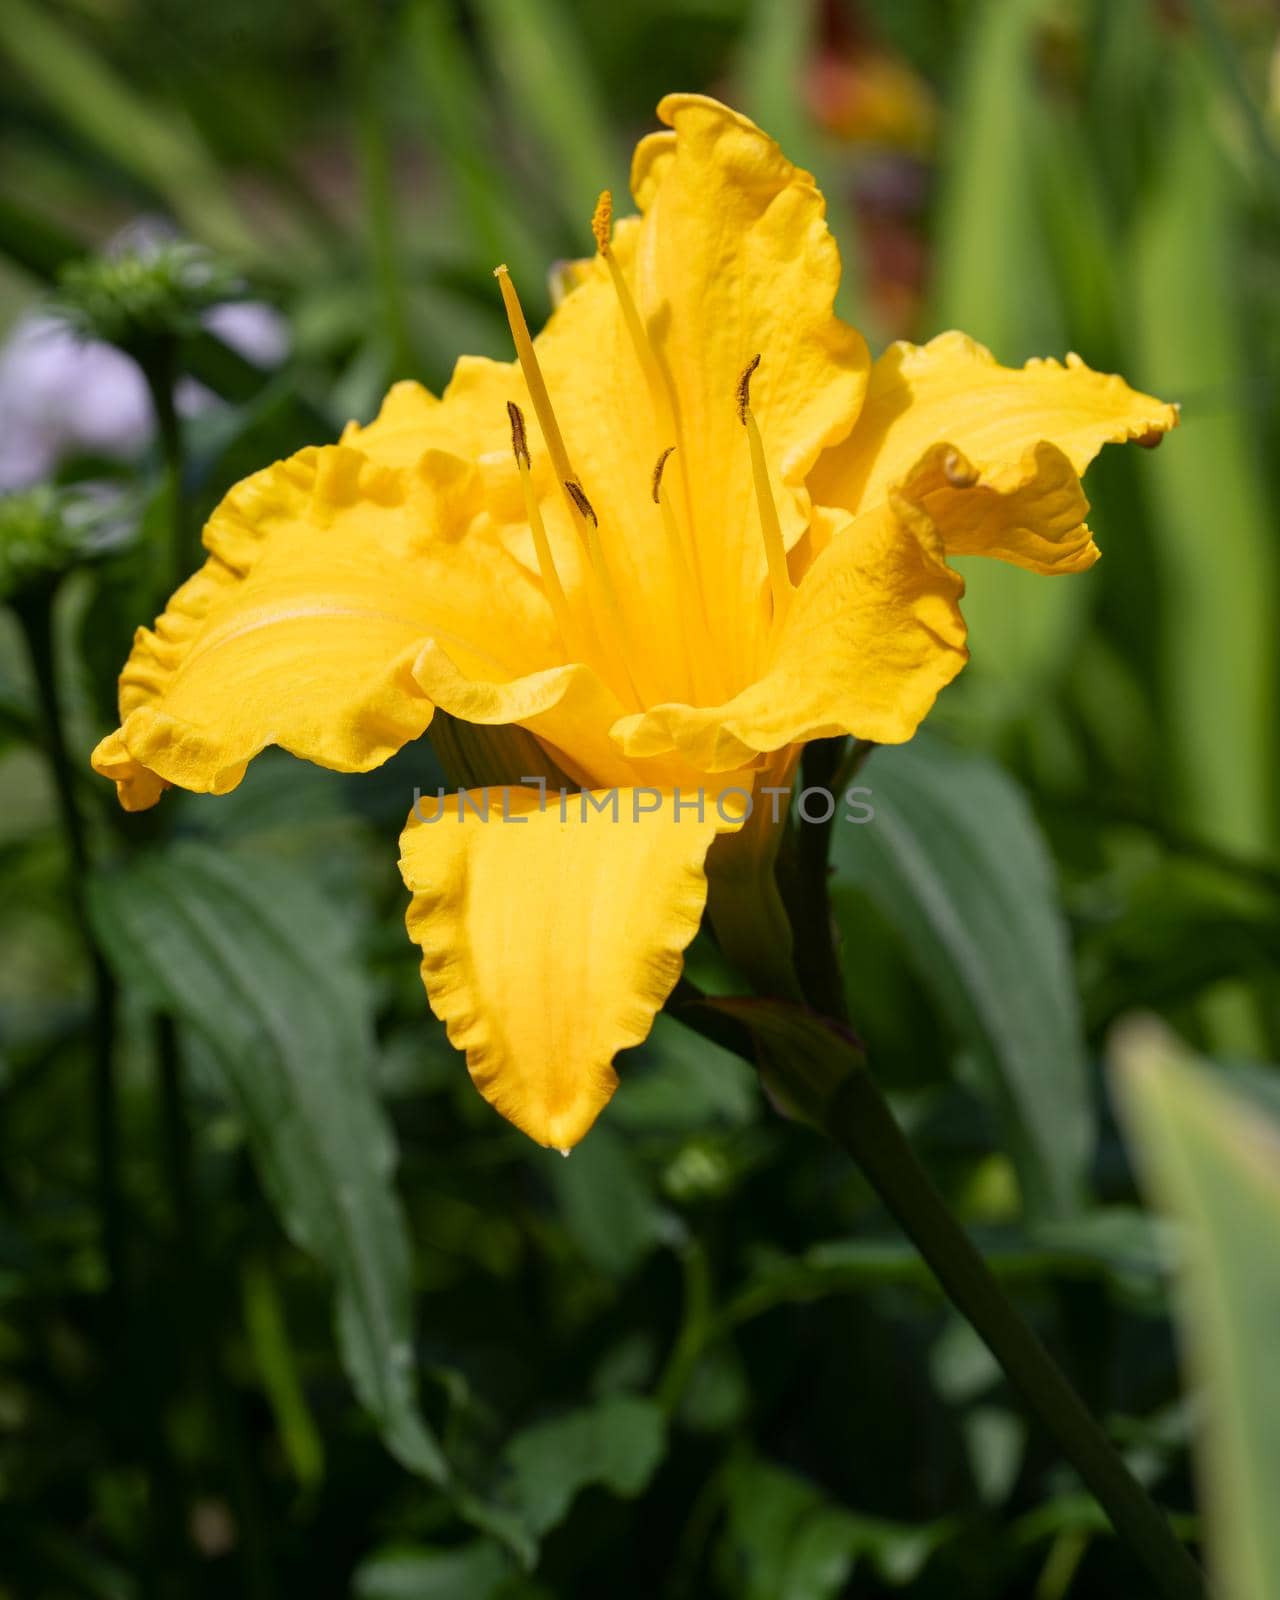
x=258 y=966
x=955 y=863
x=463 y=136
x=1212 y=1156
x=273 y=1355
x=793 y=1543
x=157 y=147
x=995 y=280
x=469 y=1572
x=618 y=1443
x=556 y=98
x=680 y=1082
x=607 y=1206
x=1217 y=575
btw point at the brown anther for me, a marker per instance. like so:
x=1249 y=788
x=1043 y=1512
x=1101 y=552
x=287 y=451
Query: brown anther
x=657 y=474
x=519 y=438
x=1150 y=439
x=744 y=389
x=602 y=221
x=576 y=494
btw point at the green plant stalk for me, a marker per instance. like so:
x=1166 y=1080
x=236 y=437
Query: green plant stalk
x=159 y=369
x=35 y=615
x=855 y=1115
x=858 y=1118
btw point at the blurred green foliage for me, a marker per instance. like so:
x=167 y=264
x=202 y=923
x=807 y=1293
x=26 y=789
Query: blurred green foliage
x=695 y=1359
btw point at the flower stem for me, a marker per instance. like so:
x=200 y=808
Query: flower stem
x=854 y=1114
x=858 y=1118
x=35 y=615
x=158 y=369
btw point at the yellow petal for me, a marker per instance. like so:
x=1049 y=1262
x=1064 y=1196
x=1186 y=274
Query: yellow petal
x=872 y=636
x=549 y=945
x=327 y=573
x=734 y=259
x=953 y=391
x=1029 y=512
x=568 y=707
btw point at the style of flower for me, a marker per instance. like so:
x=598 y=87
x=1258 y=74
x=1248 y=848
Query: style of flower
x=689 y=529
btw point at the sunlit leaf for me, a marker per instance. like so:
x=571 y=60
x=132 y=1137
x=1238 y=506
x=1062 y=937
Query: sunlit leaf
x=1212 y=1156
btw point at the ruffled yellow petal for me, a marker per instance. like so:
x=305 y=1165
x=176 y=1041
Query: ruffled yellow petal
x=734 y=259
x=872 y=636
x=549 y=945
x=327 y=574
x=953 y=391
x=568 y=707
x=1029 y=512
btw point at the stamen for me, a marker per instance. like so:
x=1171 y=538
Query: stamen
x=541 y=544
x=602 y=221
x=704 y=679
x=659 y=395
x=657 y=474
x=774 y=548
x=581 y=514
x=538 y=393
x=577 y=494
x=744 y=388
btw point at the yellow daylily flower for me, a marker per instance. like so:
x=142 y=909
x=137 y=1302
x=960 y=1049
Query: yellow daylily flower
x=688 y=529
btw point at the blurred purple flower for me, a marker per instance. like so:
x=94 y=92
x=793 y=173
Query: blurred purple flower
x=62 y=394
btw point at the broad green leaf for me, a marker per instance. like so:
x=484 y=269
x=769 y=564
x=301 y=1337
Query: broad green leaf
x=1218 y=571
x=617 y=1443
x=955 y=863
x=258 y=965
x=792 y=1543
x=1212 y=1156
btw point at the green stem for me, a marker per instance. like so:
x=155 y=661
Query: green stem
x=855 y=1115
x=36 y=617
x=858 y=1118
x=158 y=368
x=694 y=1328
x=827 y=764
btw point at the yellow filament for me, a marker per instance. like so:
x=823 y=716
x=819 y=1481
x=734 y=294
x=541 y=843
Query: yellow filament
x=771 y=529
x=541 y=544
x=696 y=630
x=659 y=396
x=528 y=360
x=581 y=515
